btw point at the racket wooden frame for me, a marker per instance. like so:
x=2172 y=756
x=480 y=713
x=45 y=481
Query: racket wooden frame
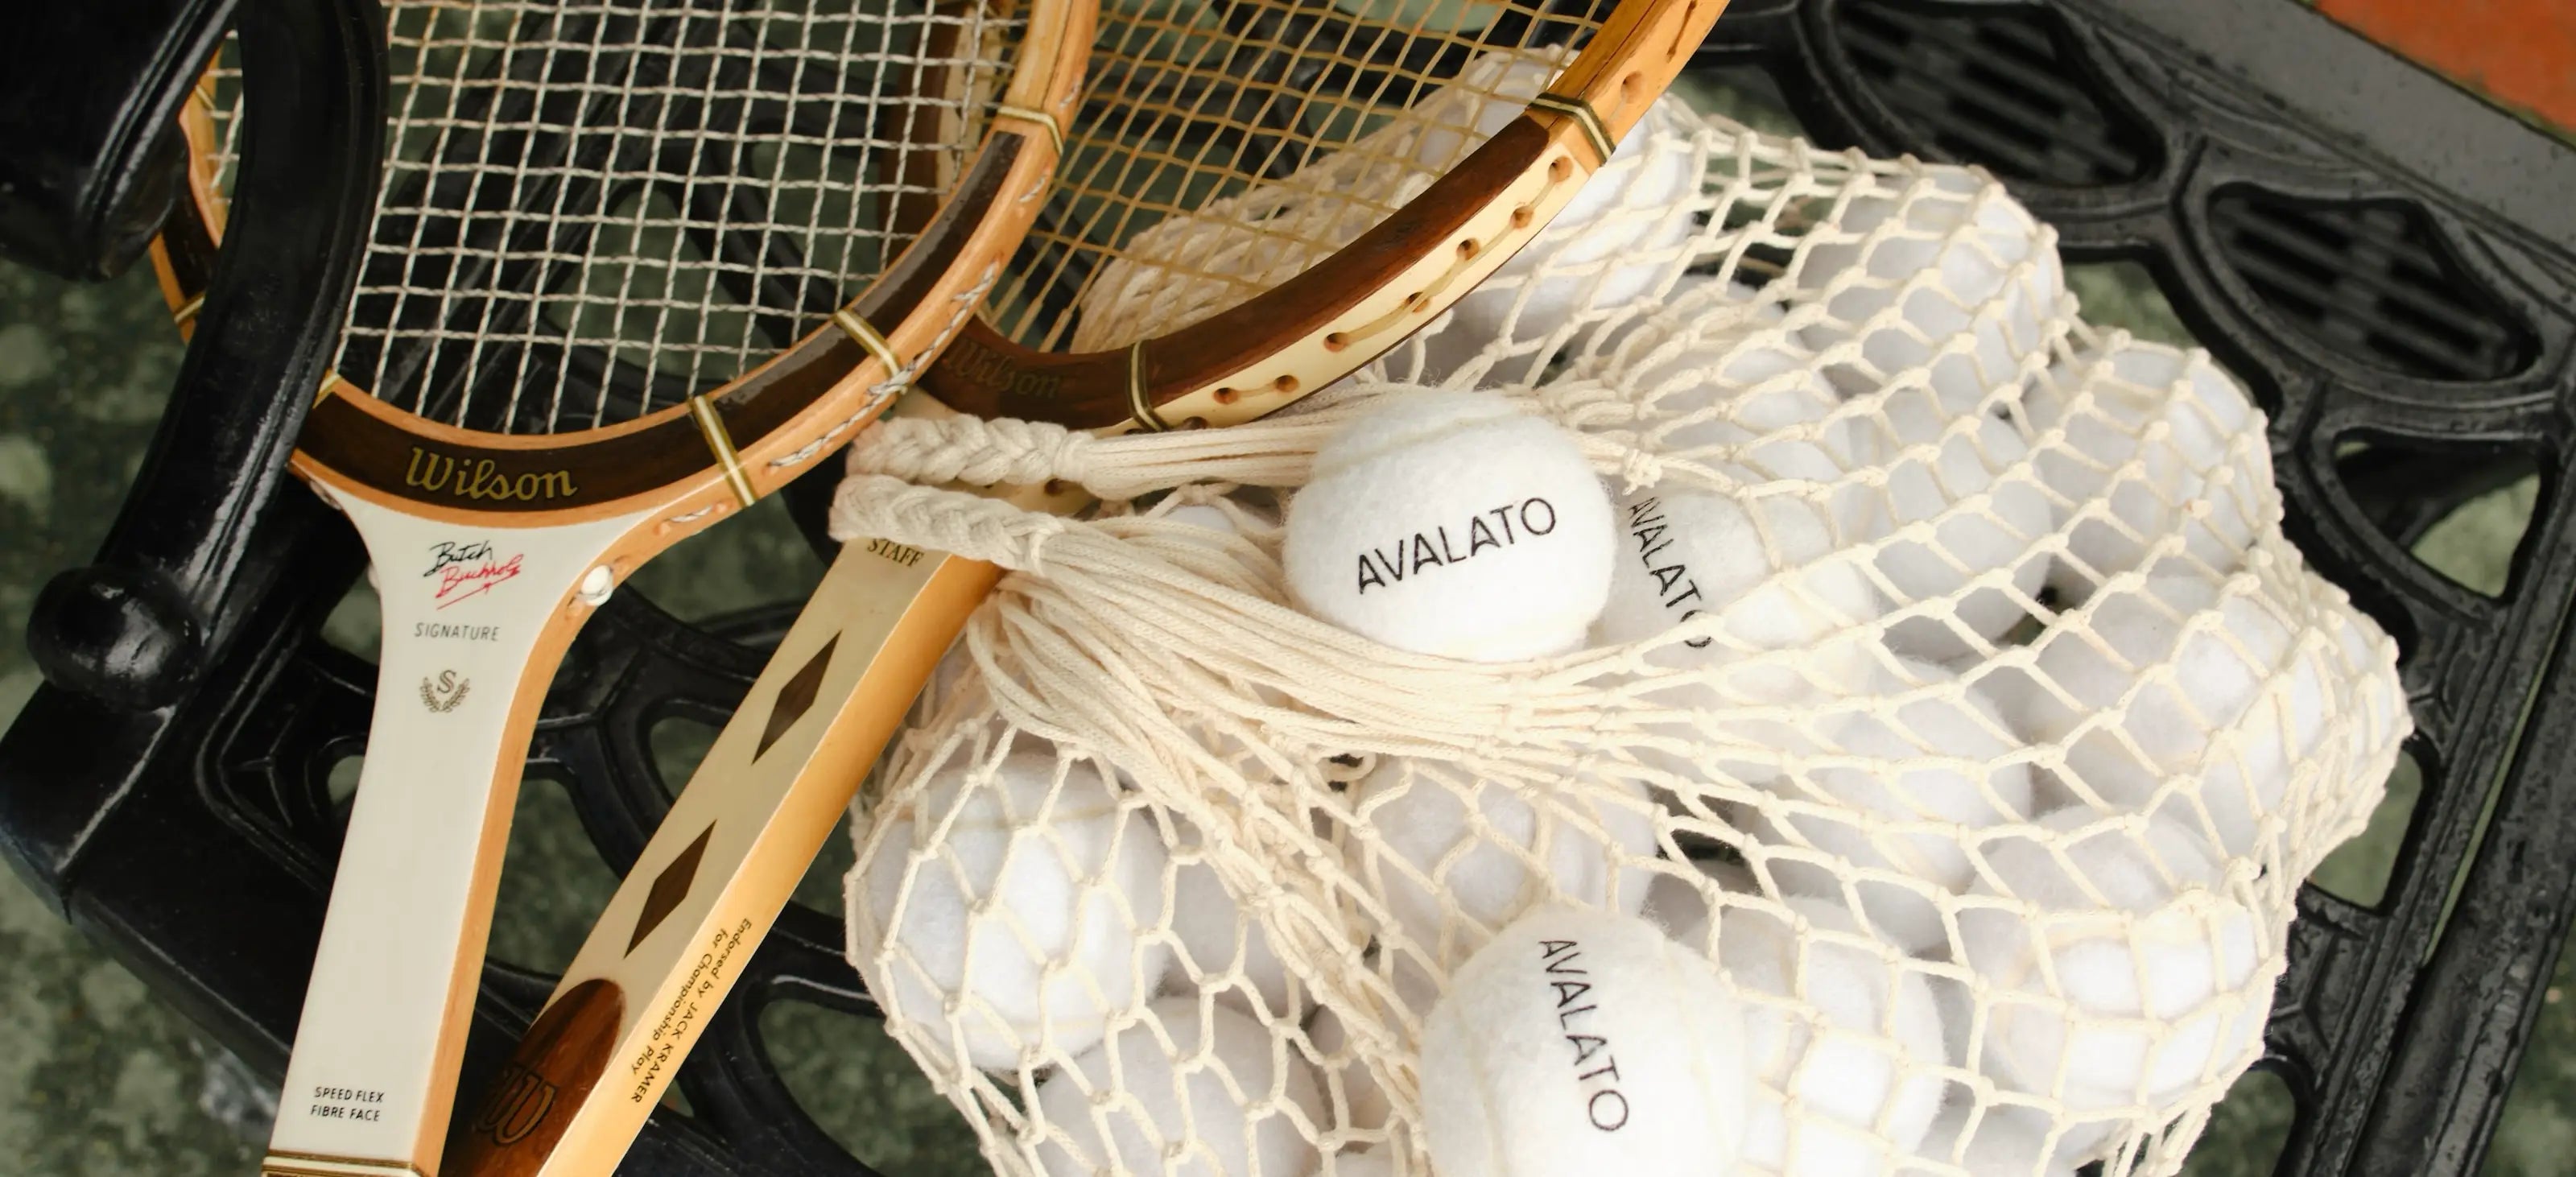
x=550 y=524
x=780 y=776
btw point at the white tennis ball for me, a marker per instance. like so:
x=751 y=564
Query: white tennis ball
x=2198 y=681
x=1449 y=523
x=2008 y=1142
x=1350 y=1092
x=1188 y=1091
x=1220 y=949
x=1979 y=553
x=1719 y=381
x=1947 y=765
x=1768 y=568
x=1583 y=1042
x=1455 y=856
x=1042 y=888
x=2377 y=716
x=1450 y=123
x=1199 y=262
x=1202 y=515
x=1678 y=899
x=1854 y=1045
x=2158 y=441
x=1696 y=308
x=1367 y=1162
x=2125 y=979
x=1913 y=269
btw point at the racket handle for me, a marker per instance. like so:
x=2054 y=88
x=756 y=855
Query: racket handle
x=475 y=621
x=136 y=628
x=682 y=927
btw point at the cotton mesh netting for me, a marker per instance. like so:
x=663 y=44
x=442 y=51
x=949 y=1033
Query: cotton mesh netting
x=1985 y=767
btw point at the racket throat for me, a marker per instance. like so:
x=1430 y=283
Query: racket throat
x=475 y=620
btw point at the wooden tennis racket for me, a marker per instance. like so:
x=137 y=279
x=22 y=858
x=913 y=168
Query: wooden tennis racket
x=1192 y=105
x=634 y=266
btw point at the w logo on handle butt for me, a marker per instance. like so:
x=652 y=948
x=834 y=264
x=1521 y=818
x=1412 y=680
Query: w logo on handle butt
x=520 y=1100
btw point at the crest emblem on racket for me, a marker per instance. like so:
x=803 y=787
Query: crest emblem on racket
x=446 y=694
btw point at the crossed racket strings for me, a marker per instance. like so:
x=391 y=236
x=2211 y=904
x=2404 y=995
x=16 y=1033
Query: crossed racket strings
x=594 y=213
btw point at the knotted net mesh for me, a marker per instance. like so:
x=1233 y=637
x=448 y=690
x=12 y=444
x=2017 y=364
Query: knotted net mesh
x=1977 y=721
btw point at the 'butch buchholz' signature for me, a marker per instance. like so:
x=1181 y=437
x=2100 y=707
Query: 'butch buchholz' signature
x=466 y=570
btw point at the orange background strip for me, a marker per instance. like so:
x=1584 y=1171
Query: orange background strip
x=2520 y=53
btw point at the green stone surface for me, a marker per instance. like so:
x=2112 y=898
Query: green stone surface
x=97 y=1077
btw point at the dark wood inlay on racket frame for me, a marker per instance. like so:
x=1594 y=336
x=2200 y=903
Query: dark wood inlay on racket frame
x=899 y=292
x=446 y=469
x=670 y=887
x=770 y=396
x=988 y=375
x=397 y=453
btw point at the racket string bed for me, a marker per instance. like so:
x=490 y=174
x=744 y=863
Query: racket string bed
x=634 y=203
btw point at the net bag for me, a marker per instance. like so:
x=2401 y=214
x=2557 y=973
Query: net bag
x=1966 y=708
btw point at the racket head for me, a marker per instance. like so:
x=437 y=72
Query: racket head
x=608 y=323
x=1378 y=160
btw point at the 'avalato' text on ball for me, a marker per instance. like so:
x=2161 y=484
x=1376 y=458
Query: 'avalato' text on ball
x=1438 y=549
x=1673 y=583
x=1603 y=1105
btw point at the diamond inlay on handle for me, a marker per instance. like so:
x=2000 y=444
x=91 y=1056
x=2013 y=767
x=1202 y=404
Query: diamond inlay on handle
x=670 y=887
x=797 y=697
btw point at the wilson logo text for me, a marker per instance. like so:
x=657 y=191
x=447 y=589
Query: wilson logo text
x=482 y=480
